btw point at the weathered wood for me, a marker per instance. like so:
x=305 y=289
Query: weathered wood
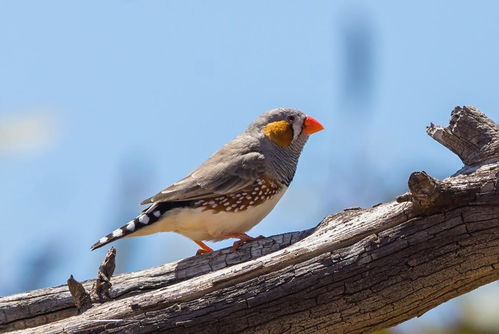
x=42 y=306
x=106 y=270
x=470 y=134
x=81 y=298
x=357 y=271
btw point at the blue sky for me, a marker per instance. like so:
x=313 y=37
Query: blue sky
x=104 y=103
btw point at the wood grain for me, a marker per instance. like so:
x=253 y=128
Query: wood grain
x=358 y=271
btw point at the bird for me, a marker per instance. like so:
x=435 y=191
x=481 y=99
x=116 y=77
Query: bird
x=233 y=190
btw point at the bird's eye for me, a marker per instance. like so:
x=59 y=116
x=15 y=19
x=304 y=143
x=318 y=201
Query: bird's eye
x=291 y=118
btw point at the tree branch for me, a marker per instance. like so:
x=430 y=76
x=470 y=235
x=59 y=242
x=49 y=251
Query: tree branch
x=357 y=271
x=470 y=134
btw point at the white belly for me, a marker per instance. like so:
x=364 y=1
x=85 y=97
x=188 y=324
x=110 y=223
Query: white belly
x=199 y=224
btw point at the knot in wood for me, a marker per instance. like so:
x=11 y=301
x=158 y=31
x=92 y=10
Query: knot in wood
x=426 y=192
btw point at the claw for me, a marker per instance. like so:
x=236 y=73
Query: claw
x=201 y=252
x=236 y=245
x=204 y=249
x=243 y=238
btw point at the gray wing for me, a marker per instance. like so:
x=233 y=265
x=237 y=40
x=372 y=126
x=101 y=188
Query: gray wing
x=232 y=168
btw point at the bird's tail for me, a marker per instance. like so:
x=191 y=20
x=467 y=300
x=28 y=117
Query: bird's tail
x=149 y=215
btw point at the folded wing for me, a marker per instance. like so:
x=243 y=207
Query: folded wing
x=229 y=170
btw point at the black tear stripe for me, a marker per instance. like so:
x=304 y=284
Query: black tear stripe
x=149 y=216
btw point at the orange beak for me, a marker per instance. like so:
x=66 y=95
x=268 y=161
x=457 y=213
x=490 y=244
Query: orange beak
x=311 y=125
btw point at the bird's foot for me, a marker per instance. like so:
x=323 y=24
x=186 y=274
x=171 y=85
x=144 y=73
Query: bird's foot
x=201 y=252
x=243 y=238
x=204 y=249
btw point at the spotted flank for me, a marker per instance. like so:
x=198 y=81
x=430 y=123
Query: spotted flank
x=148 y=216
x=262 y=190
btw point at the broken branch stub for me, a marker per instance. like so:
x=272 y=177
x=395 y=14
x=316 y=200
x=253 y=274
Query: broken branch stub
x=106 y=269
x=429 y=195
x=475 y=139
x=471 y=135
x=80 y=297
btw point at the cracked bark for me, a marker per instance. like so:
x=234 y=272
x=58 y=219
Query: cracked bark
x=357 y=271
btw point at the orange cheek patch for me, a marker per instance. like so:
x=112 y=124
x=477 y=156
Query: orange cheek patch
x=279 y=132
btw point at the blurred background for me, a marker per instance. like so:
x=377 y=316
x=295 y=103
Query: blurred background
x=104 y=103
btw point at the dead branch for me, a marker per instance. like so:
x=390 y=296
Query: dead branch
x=357 y=271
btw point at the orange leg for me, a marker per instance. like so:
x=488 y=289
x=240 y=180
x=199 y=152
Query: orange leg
x=243 y=238
x=204 y=249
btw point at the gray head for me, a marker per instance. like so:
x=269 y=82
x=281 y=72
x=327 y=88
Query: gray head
x=282 y=133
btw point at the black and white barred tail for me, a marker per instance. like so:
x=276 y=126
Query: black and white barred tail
x=149 y=216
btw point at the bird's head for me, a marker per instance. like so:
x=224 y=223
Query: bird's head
x=283 y=126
